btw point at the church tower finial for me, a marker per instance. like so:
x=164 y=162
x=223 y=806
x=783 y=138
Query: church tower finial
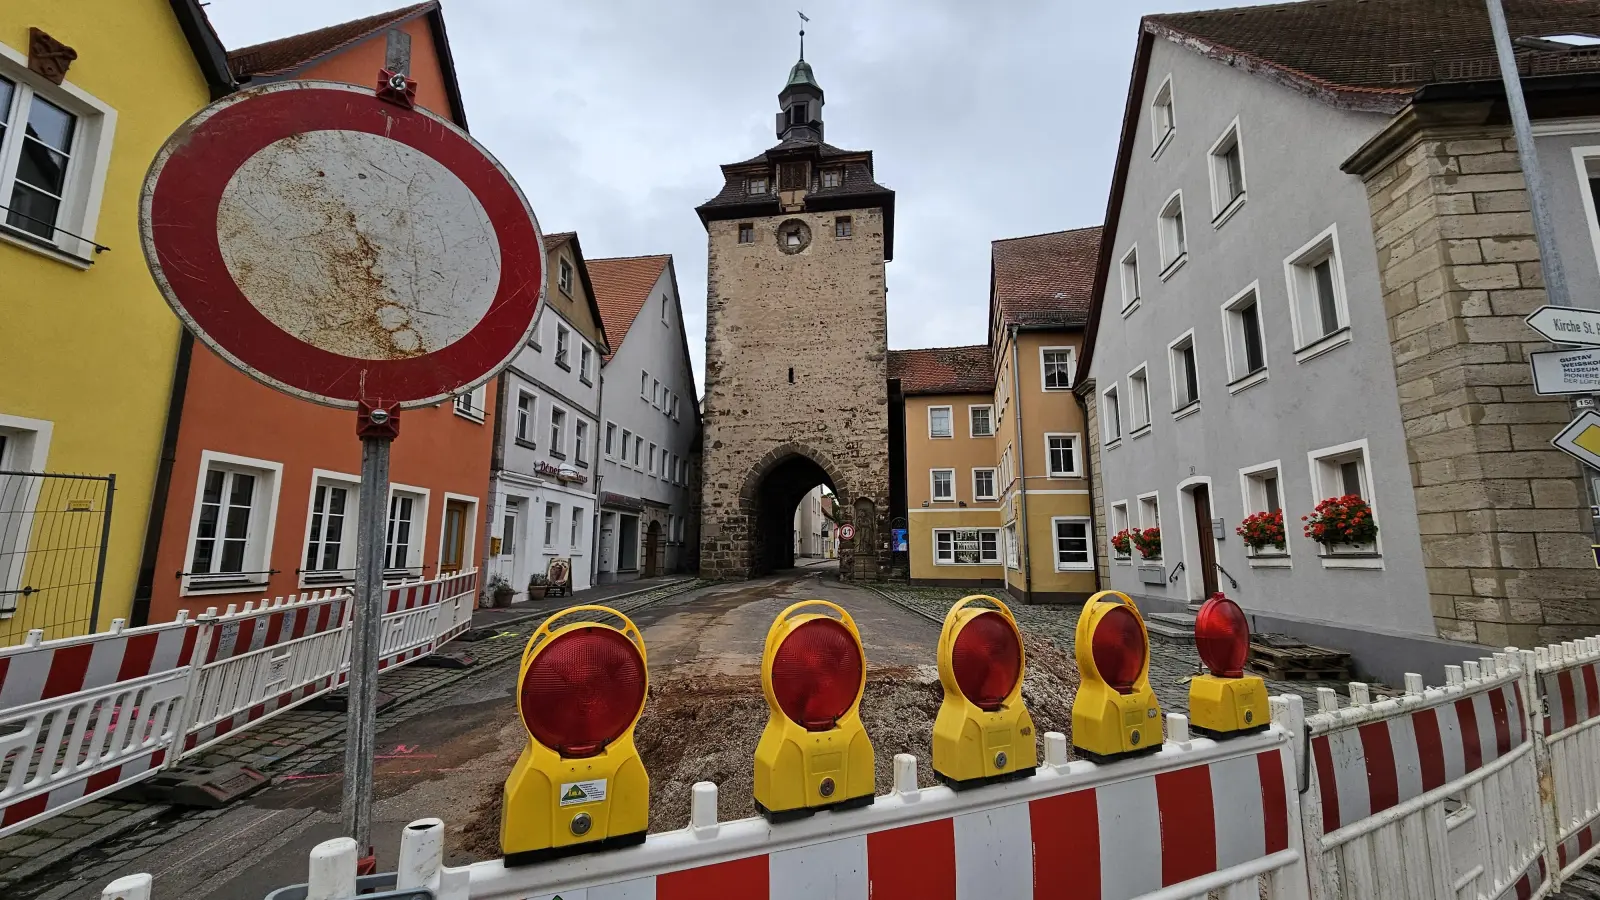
x=803 y=20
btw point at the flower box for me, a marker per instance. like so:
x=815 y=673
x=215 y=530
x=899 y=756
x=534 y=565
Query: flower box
x=1344 y=526
x=1368 y=549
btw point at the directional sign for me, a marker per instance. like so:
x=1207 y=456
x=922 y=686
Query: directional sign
x=1582 y=438
x=1567 y=325
x=342 y=248
x=1566 y=371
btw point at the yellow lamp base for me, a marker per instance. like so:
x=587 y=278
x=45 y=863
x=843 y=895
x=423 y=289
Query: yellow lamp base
x=799 y=772
x=1227 y=707
x=555 y=807
x=1107 y=725
x=972 y=747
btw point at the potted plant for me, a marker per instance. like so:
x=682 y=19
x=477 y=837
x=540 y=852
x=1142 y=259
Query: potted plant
x=1342 y=525
x=538 y=586
x=1122 y=543
x=1262 y=530
x=500 y=591
x=1148 y=542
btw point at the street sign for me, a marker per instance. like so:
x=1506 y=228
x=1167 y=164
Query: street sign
x=1565 y=371
x=847 y=531
x=1581 y=439
x=1567 y=325
x=340 y=247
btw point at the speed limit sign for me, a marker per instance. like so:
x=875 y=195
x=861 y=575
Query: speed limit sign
x=847 y=531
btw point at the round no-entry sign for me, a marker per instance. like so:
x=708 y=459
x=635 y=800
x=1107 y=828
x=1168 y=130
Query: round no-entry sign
x=342 y=248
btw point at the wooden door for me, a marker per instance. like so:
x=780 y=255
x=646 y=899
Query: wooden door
x=455 y=537
x=652 y=548
x=1208 y=540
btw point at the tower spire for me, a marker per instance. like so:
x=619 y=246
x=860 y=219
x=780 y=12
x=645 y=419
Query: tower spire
x=803 y=20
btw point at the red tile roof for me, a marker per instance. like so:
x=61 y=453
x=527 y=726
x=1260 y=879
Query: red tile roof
x=286 y=54
x=1376 y=53
x=1045 y=280
x=621 y=287
x=943 y=370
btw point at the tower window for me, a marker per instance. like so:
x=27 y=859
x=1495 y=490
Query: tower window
x=841 y=227
x=756 y=186
x=830 y=178
x=798 y=113
x=747 y=233
x=791 y=374
x=792 y=176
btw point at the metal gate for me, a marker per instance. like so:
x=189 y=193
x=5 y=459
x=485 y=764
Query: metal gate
x=53 y=534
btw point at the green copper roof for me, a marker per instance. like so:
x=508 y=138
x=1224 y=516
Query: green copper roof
x=801 y=74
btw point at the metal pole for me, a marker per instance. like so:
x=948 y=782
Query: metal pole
x=362 y=704
x=105 y=542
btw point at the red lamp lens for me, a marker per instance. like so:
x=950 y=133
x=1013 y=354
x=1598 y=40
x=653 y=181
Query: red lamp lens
x=816 y=673
x=583 y=690
x=1222 y=635
x=987 y=660
x=1119 y=650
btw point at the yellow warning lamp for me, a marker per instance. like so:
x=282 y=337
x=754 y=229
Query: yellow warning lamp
x=813 y=754
x=579 y=784
x=1115 y=714
x=1225 y=702
x=983 y=733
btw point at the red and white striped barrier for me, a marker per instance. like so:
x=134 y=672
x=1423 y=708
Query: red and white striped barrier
x=1569 y=745
x=47 y=670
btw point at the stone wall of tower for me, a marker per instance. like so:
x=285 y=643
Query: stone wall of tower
x=820 y=312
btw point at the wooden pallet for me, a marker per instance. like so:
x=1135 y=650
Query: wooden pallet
x=1285 y=661
x=1298 y=674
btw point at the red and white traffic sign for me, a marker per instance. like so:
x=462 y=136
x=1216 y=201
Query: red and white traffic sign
x=847 y=531
x=343 y=248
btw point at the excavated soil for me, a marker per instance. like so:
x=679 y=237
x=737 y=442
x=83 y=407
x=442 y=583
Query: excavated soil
x=706 y=729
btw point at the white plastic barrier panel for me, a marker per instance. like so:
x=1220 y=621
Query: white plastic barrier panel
x=1429 y=796
x=1568 y=677
x=261 y=661
x=460 y=592
x=82 y=717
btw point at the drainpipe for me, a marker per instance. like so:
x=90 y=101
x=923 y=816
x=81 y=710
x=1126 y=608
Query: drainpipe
x=1088 y=472
x=600 y=437
x=1022 y=472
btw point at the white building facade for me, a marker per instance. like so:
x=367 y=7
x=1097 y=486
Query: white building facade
x=649 y=424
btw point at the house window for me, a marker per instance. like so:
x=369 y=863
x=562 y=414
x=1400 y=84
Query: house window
x=1261 y=488
x=982 y=420
x=966 y=546
x=1111 y=414
x=1072 y=544
x=655 y=393
x=944 y=484
x=983 y=487
x=1139 y=395
x=329 y=543
x=508 y=534
x=558 y=428
x=652 y=469
x=552 y=512
x=1227 y=173
x=1174 y=241
x=675 y=408
x=830 y=178
x=1011 y=548
x=683 y=472
x=563 y=340
x=471 y=403
x=611 y=439
x=49 y=164
x=626 y=435
x=1185 y=380
x=233 y=526
x=666 y=401
x=644 y=385
x=638 y=450
x=576 y=529
x=1247 y=354
x=1130 y=278
x=1119 y=524
x=402 y=545
x=1341 y=471
x=1061 y=451
x=525 y=407
x=747 y=233
x=585 y=364
x=1150 y=511
x=841 y=227
x=1057 y=365
x=1317 y=295
x=580 y=440
x=1162 y=120
x=756 y=186
x=939 y=425
x=564 y=279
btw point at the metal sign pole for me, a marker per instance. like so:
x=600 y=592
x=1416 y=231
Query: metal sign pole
x=365 y=636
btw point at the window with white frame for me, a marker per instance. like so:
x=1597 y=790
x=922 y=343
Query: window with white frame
x=576 y=528
x=675 y=407
x=980 y=420
x=1262 y=492
x=652 y=468
x=1139 y=396
x=966 y=546
x=1056 y=365
x=1111 y=415
x=330 y=539
x=564 y=279
x=655 y=392
x=563 y=347
x=1150 y=511
x=1119 y=524
x=552 y=512
x=638 y=451
x=1061 y=454
x=232 y=525
x=580 y=442
x=1074 y=540
x=627 y=440
x=508 y=531
x=51 y=161
x=1130 y=277
x=1185 y=377
x=611 y=439
x=644 y=385
x=471 y=404
x=1174 y=240
x=983 y=484
x=747 y=233
x=667 y=399
x=1247 y=351
x=1341 y=471
x=403 y=533
x=558 y=431
x=527 y=404
x=756 y=186
x=1163 y=121
x=664 y=307
x=1316 y=291
x=1227 y=173
x=1012 y=561
x=586 y=364
x=944 y=484
x=939 y=425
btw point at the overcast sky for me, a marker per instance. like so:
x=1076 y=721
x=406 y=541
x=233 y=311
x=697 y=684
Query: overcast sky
x=989 y=120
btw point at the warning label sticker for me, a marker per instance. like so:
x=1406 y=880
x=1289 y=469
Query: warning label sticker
x=583 y=792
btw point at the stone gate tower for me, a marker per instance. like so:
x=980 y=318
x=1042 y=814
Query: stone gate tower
x=796 y=346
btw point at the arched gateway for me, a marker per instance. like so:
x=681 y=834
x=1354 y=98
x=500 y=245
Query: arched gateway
x=796 y=347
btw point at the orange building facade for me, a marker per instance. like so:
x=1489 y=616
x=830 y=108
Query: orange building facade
x=261 y=488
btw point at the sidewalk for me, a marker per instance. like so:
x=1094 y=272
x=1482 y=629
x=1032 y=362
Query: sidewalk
x=528 y=609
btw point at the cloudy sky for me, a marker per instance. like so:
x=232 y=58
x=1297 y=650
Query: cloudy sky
x=989 y=120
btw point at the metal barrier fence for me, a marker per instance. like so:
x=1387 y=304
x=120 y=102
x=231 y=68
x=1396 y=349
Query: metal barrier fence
x=53 y=534
x=83 y=717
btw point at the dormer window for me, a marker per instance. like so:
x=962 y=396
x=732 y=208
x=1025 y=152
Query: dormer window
x=756 y=186
x=792 y=176
x=831 y=178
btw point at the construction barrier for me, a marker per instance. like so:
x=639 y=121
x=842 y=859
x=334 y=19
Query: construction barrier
x=86 y=716
x=1569 y=745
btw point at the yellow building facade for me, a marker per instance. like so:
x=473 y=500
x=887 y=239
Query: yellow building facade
x=88 y=93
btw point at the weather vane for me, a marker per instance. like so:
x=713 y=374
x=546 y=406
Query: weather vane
x=803 y=20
